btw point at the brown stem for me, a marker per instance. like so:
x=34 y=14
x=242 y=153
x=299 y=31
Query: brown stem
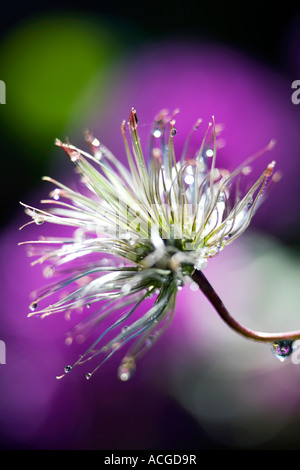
x=215 y=300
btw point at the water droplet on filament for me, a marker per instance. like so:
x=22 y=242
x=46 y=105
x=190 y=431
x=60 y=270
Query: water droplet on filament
x=156 y=133
x=126 y=369
x=282 y=349
x=74 y=156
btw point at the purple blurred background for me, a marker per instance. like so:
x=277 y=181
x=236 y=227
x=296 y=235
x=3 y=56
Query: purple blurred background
x=201 y=386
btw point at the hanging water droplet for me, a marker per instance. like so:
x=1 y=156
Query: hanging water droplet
x=88 y=376
x=249 y=201
x=39 y=220
x=88 y=305
x=67 y=369
x=126 y=369
x=74 y=156
x=33 y=306
x=180 y=283
x=173 y=132
x=189 y=179
x=56 y=194
x=156 y=133
x=209 y=153
x=95 y=142
x=282 y=349
x=124 y=374
x=98 y=155
x=227 y=237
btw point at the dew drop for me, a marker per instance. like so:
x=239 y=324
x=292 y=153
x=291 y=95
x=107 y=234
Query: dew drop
x=88 y=376
x=88 y=305
x=249 y=201
x=126 y=369
x=209 y=153
x=189 y=179
x=33 y=306
x=98 y=155
x=124 y=329
x=156 y=133
x=67 y=369
x=39 y=221
x=173 y=132
x=124 y=374
x=95 y=142
x=227 y=237
x=74 y=156
x=56 y=194
x=282 y=349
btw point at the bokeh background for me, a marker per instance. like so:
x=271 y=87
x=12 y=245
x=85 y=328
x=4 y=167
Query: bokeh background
x=69 y=67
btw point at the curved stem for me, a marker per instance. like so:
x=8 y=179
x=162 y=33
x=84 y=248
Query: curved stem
x=215 y=300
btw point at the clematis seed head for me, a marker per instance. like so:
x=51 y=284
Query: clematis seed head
x=138 y=232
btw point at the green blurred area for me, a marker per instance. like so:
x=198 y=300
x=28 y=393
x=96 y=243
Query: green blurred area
x=54 y=65
x=47 y=64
